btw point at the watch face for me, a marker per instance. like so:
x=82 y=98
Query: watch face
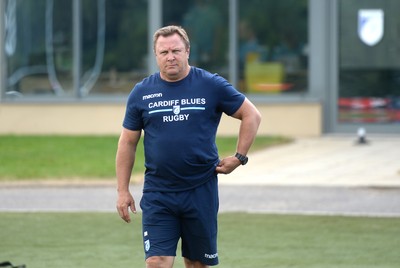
x=244 y=162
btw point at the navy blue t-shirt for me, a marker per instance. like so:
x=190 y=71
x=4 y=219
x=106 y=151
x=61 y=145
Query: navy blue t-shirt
x=180 y=121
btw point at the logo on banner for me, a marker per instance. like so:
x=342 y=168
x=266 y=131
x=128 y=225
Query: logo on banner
x=370 y=26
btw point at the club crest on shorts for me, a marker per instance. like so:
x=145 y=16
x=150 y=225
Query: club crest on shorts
x=147 y=245
x=176 y=109
x=370 y=26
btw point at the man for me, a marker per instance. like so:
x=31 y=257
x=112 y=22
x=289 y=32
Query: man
x=179 y=109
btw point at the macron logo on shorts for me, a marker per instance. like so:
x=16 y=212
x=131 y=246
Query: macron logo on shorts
x=211 y=256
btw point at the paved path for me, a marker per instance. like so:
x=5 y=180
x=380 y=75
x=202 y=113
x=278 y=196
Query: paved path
x=355 y=201
x=326 y=161
x=327 y=175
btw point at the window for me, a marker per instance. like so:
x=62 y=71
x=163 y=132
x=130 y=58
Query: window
x=39 y=47
x=206 y=24
x=273 y=46
x=369 y=68
x=272 y=53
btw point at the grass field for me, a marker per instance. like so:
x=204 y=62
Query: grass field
x=83 y=157
x=96 y=240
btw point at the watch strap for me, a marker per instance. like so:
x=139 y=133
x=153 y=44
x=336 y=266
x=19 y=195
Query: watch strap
x=242 y=158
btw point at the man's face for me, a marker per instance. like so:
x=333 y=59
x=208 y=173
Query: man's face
x=172 y=57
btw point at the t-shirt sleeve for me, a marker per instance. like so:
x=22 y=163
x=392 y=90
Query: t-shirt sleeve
x=230 y=99
x=133 y=119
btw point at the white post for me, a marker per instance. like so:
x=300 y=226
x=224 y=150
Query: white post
x=154 y=22
x=233 y=42
x=3 y=60
x=77 y=48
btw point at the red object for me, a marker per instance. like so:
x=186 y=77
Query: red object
x=363 y=103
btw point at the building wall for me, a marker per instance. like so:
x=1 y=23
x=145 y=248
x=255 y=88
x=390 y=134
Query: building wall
x=294 y=120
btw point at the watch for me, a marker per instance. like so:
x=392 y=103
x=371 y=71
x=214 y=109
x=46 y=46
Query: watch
x=242 y=158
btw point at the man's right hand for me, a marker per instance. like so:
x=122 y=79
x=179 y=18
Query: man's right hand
x=124 y=202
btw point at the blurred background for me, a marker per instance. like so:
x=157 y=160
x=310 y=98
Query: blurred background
x=311 y=66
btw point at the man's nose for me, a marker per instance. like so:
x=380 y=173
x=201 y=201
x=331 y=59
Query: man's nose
x=170 y=56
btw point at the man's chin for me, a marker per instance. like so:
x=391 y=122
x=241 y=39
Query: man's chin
x=172 y=73
x=171 y=76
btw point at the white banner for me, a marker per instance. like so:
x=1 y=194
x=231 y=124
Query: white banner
x=370 y=26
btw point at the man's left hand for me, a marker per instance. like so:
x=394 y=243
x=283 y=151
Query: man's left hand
x=227 y=165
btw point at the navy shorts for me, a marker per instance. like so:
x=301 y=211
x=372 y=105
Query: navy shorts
x=190 y=215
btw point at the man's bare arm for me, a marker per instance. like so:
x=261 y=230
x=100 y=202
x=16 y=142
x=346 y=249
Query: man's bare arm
x=250 y=120
x=125 y=160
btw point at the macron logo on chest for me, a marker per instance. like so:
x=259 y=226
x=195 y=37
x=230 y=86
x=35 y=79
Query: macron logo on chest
x=177 y=109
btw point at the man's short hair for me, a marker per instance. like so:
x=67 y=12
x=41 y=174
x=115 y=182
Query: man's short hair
x=171 y=30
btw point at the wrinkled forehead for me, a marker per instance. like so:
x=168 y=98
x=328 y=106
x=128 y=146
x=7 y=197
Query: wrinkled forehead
x=173 y=41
